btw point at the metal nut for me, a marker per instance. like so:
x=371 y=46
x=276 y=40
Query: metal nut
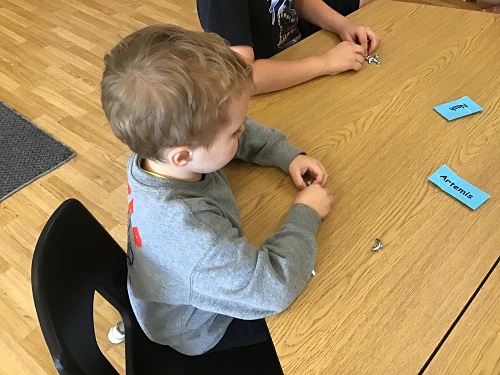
x=378 y=245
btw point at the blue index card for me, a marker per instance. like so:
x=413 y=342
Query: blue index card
x=458 y=108
x=458 y=188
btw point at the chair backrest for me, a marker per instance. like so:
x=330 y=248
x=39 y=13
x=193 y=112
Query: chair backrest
x=74 y=257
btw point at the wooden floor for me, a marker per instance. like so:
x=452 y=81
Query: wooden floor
x=51 y=60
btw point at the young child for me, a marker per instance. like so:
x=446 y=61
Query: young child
x=258 y=29
x=179 y=99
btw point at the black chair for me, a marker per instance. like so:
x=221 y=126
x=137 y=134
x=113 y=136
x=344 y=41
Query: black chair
x=74 y=257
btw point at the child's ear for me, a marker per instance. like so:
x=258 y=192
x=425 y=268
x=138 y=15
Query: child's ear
x=180 y=156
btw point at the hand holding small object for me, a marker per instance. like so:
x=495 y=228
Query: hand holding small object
x=317 y=197
x=303 y=166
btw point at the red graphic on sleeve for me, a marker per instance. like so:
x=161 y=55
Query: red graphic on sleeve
x=137 y=236
x=135 y=230
x=135 y=233
x=131 y=207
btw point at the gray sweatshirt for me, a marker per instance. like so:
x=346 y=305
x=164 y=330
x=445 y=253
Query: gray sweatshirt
x=191 y=270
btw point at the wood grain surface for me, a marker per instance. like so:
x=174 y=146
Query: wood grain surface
x=377 y=133
x=472 y=347
x=363 y=309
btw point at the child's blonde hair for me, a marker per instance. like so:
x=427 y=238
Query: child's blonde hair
x=164 y=86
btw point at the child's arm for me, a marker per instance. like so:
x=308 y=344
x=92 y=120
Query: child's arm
x=262 y=145
x=320 y=14
x=273 y=75
x=232 y=21
x=240 y=280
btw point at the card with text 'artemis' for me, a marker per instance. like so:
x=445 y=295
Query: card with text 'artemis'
x=458 y=108
x=458 y=188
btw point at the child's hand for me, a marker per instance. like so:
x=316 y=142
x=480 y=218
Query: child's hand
x=304 y=165
x=318 y=198
x=344 y=56
x=362 y=35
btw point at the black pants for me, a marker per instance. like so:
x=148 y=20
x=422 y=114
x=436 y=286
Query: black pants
x=242 y=333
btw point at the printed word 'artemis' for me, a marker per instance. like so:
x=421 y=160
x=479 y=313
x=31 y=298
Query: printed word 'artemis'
x=456 y=187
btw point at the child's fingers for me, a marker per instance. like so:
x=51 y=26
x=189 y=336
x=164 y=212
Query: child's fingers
x=362 y=39
x=319 y=173
x=298 y=179
x=308 y=171
x=374 y=40
x=322 y=177
x=307 y=178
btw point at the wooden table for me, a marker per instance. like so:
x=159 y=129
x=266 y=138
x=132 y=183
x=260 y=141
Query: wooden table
x=377 y=134
x=473 y=346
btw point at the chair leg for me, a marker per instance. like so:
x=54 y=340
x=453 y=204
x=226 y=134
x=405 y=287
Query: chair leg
x=117 y=333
